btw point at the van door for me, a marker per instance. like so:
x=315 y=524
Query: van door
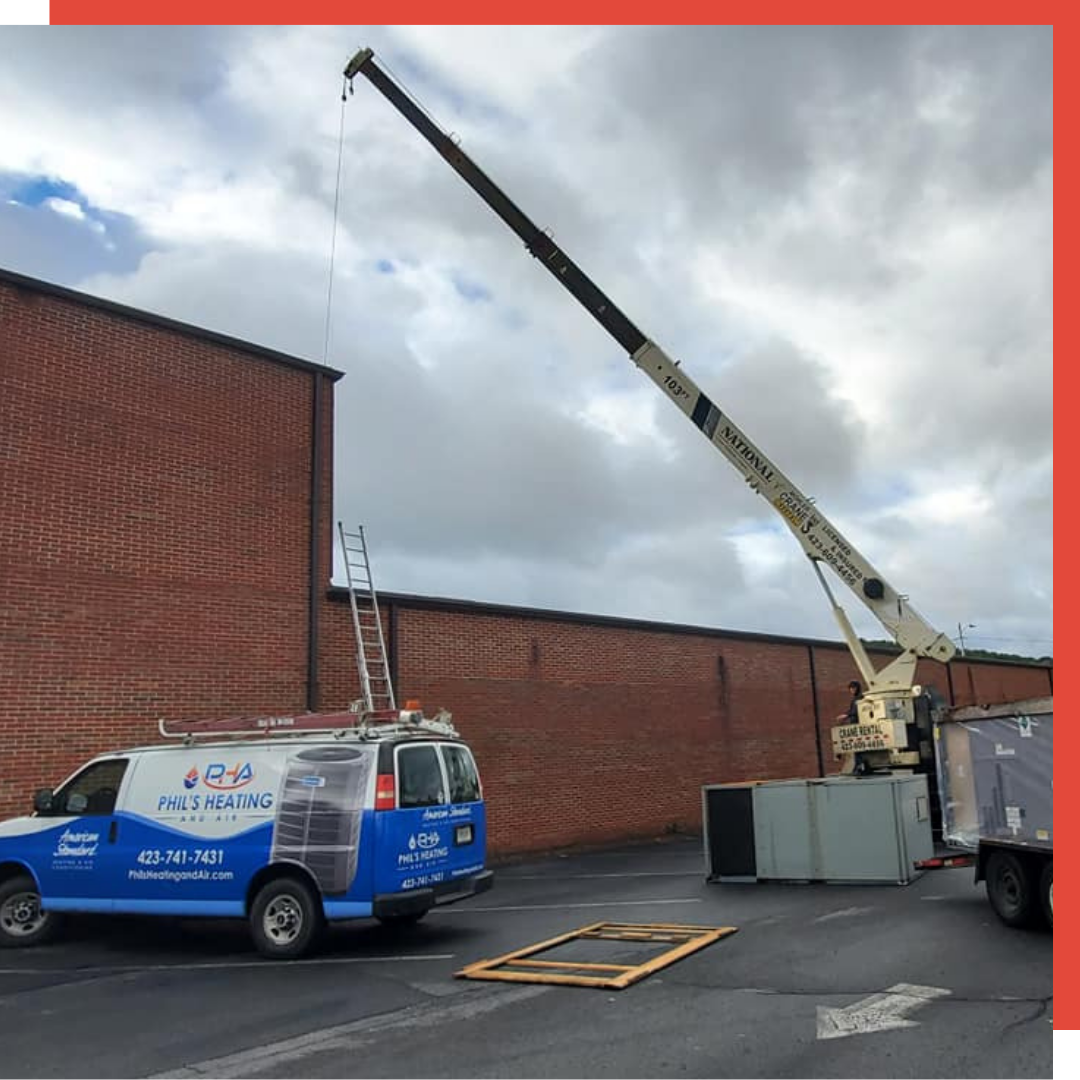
x=427 y=840
x=468 y=822
x=81 y=869
x=413 y=841
x=196 y=826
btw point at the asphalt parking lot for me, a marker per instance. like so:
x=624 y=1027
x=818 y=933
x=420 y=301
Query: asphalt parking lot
x=819 y=981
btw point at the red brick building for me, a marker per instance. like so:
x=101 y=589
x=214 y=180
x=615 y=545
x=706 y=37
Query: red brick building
x=164 y=540
x=165 y=551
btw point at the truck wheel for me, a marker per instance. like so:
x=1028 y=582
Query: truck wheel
x=22 y=922
x=1046 y=892
x=285 y=919
x=1010 y=889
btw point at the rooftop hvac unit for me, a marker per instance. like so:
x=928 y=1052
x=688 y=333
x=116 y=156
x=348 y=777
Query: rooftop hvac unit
x=836 y=828
x=319 y=813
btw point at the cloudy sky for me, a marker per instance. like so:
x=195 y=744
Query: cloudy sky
x=844 y=234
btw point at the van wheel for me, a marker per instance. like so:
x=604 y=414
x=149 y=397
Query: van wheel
x=22 y=922
x=1046 y=892
x=1010 y=889
x=401 y=922
x=285 y=919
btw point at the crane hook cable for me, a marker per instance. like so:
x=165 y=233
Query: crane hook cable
x=347 y=85
x=333 y=235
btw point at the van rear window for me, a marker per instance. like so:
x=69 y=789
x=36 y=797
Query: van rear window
x=420 y=781
x=464 y=783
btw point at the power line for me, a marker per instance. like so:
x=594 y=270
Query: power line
x=1015 y=640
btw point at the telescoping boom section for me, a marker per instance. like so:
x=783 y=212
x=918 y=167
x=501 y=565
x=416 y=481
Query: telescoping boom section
x=888 y=701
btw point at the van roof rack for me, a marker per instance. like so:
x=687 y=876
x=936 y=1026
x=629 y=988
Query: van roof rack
x=352 y=723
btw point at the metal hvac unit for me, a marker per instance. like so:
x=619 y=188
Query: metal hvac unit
x=835 y=829
x=319 y=813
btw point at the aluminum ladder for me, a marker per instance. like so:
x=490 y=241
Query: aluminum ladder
x=377 y=691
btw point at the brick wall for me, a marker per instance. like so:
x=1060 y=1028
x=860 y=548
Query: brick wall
x=155 y=533
x=977 y=684
x=594 y=730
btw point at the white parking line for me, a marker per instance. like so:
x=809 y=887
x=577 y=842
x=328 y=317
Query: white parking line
x=224 y=964
x=563 y=907
x=844 y=913
x=582 y=877
x=353 y=1035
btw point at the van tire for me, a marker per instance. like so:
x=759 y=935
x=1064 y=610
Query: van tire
x=285 y=919
x=1011 y=889
x=22 y=922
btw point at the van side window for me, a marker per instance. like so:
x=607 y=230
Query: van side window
x=93 y=791
x=420 y=781
x=464 y=783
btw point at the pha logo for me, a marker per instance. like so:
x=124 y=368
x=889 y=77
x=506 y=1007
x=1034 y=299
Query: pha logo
x=222 y=778
x=192 y=778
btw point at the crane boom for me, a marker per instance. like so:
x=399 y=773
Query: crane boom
x=820 y=539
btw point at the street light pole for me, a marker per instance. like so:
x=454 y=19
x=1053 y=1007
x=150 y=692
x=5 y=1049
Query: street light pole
x=960 y=632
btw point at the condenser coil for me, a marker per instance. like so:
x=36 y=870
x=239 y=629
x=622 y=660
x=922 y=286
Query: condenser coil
x=319 y=813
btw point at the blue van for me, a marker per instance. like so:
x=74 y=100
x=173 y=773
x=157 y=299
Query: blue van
x=291 y=822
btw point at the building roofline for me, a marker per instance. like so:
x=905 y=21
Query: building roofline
x=162 y=322
x=338 y=593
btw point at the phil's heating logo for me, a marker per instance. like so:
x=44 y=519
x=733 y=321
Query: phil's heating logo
x=222 y=778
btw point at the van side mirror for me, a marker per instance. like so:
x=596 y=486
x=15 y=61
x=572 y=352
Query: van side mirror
x=43 y=800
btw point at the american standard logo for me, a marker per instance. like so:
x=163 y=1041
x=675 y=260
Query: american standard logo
x=77 y=843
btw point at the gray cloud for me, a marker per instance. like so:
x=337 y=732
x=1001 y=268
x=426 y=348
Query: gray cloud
x=844 y=233
x=121 y=66
x=65 y=250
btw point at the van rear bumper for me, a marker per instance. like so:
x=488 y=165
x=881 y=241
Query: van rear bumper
x=417 y=901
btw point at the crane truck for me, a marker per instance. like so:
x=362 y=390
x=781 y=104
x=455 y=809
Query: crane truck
x=897 y=721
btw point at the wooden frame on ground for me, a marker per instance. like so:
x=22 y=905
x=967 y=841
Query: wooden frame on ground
x=518 y=966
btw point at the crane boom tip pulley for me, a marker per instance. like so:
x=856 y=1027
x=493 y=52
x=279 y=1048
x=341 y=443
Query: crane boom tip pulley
x=361 y=57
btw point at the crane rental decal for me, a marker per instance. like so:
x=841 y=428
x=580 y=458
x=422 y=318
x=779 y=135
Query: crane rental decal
x=893 y=710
